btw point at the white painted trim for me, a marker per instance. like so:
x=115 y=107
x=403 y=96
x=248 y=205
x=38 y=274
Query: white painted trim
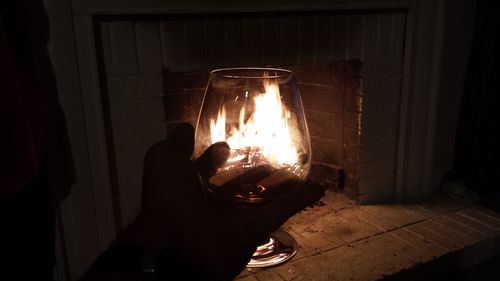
x=419 y=99
x=433 y=102
x=399 y=183
x=98 y=152
x=120 y=7
x=81 y=229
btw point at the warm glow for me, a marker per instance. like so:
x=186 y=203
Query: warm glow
x=265 y=132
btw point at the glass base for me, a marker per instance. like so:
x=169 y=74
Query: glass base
x=280 y=248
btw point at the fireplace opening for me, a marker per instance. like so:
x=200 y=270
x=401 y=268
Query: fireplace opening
x=348 y=64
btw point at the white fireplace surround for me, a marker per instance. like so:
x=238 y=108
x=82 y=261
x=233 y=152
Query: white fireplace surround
x=425 y=135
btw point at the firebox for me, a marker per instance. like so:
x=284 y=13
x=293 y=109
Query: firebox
x=332 y=97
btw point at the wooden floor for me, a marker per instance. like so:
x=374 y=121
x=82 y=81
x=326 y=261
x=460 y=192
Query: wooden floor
x=409 y=240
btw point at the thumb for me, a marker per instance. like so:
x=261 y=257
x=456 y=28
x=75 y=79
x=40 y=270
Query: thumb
x=212 y=159
x=183 y=138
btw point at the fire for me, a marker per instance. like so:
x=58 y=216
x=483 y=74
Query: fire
x=265 y=132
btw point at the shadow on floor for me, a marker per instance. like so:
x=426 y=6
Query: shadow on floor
x=491 y=201
x=445 y=267
x=486 y=271
x=490 y=269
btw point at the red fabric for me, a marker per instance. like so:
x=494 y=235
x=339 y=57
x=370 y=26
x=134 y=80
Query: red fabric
x=21 y=119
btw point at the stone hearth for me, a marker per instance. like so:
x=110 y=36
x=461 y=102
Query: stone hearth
x=422 y=239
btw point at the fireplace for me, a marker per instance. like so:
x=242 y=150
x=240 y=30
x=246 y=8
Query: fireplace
x=154 y=70
x=139 y=62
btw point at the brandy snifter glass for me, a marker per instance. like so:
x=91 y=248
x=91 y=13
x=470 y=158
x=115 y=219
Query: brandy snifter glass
x=259 y=113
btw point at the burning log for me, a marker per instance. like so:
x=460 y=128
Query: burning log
x=240 y=176
x=253 y=185
x=276 y=178
x=212 y=159
x=267 y=155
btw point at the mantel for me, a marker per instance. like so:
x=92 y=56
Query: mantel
x=114 y=7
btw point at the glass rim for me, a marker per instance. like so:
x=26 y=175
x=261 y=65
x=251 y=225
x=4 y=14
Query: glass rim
x=220 y=71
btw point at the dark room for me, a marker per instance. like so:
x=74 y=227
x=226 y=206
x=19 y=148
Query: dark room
x=249 y=140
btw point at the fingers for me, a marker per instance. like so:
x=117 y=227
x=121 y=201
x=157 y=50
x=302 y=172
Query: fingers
x=310 y=193
x=212 y=159
x=270 y=217
x=183 y=137
x=170 y=181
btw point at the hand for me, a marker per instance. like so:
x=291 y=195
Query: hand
x=179 y=218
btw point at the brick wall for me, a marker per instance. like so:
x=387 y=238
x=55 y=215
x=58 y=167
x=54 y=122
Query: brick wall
x=332 y=99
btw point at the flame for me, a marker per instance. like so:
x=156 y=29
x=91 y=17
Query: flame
x=266 y=132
